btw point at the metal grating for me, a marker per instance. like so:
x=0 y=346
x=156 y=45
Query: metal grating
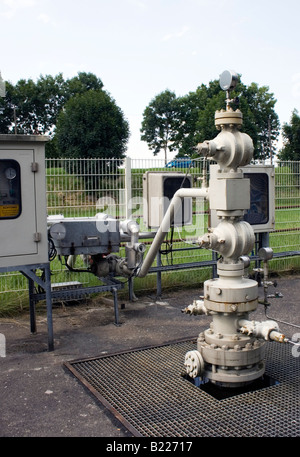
x=145 y=390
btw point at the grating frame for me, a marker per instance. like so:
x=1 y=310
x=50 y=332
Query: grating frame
x=147 y=393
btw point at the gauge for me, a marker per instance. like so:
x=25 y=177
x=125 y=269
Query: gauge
x=58 y=231
x=10 y=173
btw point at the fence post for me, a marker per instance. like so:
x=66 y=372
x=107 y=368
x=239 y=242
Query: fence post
x=158 y=276
x=128 y=206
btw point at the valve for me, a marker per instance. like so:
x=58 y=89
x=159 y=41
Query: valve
x=268 y=330
x=266 y=254
x=231 y=240
x=231 y=148
x=197 y=308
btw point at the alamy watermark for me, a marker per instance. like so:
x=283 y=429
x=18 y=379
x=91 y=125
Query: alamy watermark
x=139 y=206
x=2 y=345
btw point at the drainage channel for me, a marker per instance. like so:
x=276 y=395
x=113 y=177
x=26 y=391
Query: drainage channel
x=146 y=391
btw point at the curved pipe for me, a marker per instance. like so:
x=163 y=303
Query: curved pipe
x=166 y=224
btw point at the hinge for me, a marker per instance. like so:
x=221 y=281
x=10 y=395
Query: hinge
x=37 y=237
x=34 y=167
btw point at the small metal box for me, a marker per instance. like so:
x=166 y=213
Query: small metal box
x=260 y=213
x=230 y=194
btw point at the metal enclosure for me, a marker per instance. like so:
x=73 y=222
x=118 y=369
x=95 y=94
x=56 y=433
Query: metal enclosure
x=261 y=212
x=158 y=191
x=88 y=236
x=23 y=213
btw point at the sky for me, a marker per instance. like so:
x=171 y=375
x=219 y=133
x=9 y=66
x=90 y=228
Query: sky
x=139 y=48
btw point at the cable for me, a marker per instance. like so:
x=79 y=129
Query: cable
x=281 y=322
x=169 y=244
x=293 y=343
x=75 y=270
x=52 y=250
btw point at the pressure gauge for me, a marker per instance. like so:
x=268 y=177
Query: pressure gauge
x=10 y=173
x=58 y=231
x=228 y=80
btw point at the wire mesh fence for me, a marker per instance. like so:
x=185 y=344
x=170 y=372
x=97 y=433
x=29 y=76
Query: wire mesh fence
x=286 y=237
x=84 y=187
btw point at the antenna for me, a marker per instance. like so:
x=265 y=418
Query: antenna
x=228 y=81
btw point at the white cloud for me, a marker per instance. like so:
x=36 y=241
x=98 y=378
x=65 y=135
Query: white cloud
x=179 y=34
x=139 y=3
x=13 y=6
x=44 y=18
x=296 y=85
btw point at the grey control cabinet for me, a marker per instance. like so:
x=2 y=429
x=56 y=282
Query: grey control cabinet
x=158 y=191
x=23 y=210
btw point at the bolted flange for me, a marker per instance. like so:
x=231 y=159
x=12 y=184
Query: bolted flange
x=194 y=364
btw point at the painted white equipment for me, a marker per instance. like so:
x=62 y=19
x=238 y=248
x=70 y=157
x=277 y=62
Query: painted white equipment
x=231 y=352
x=23 y=211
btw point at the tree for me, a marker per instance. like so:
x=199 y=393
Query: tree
x=260 y=119
x=53 y=96
x=35 y=106
x=193 y=118
x=82 y=83
x=197 y=111
x=6 y=107
x=291 y=139
x=160 y=123
x=92 y=126
x=31 y=107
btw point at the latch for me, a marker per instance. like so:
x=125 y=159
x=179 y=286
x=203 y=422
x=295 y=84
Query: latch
x=34 y=167
x=37 y=237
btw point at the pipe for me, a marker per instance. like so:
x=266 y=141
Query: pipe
x=132 y=229
x=166 y=224
x=268 y=330
x=142 y=235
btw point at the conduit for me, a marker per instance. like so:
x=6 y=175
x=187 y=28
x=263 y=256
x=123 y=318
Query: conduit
x=167 y=222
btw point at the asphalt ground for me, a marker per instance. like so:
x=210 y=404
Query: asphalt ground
x=39 y=397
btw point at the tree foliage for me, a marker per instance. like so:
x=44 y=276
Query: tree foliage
x=193 y=118
x=291 y=138
x=92 y=126
x=160 y=121
x=34 y=108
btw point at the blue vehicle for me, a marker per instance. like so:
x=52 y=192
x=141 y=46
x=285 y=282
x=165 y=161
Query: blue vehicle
x=184 y=162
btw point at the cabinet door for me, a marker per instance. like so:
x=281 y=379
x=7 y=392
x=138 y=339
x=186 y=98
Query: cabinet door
x=18 y=223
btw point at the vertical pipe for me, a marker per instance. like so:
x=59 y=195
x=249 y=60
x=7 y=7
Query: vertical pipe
x=128 y=195
x=130 y=289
